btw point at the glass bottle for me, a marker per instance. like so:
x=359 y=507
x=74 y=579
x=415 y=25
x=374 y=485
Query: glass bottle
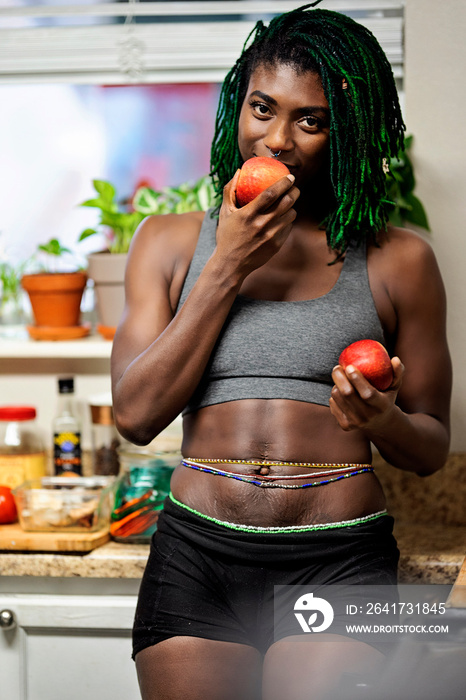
x=105 y=437
x=66 y=433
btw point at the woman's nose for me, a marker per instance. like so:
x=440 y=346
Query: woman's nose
x=278 y=137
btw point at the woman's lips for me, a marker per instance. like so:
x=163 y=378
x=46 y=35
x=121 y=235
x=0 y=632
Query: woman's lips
x=288 y=165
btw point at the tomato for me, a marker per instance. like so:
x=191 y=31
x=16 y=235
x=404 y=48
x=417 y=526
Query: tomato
x=8 y=512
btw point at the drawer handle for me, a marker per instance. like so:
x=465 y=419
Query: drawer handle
x=7 y=620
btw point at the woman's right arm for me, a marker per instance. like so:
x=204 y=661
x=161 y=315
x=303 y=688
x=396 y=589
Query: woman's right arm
x=158 y=358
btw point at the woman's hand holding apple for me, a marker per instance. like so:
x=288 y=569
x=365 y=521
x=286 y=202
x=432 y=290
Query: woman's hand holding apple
x=357 y=404
x=248 y=236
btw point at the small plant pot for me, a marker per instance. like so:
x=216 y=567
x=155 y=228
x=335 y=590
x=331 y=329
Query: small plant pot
x=55 y=297
x=107 y=270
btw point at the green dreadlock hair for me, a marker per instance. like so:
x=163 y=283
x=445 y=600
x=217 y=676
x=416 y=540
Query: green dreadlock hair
x=366 y=125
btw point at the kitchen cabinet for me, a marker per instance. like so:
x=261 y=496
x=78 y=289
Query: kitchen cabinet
x=67 y=640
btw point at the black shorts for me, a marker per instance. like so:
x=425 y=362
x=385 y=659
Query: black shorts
x=203 y=579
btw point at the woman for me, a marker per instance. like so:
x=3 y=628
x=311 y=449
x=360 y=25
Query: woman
x=238 y=322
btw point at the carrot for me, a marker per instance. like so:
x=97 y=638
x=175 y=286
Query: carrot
x=129 y=504
x=136 y=522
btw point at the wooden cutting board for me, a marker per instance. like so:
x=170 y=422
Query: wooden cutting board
x=14 y=538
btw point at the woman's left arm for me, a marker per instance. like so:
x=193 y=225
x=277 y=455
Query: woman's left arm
x=410 y=422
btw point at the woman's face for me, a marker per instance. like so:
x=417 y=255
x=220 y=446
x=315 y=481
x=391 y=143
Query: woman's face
x=287 y=112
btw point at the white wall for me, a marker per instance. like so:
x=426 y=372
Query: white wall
x=435 y=112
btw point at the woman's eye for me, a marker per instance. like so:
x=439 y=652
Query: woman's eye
x=311 y=122
x=260 y=108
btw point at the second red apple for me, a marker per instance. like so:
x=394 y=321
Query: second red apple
x=372 y=360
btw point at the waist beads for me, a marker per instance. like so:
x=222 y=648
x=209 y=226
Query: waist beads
x=340 y=471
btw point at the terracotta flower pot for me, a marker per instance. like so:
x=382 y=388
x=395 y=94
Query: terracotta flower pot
x=55 y=297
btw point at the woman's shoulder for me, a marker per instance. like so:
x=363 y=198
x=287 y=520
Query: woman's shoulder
x=170 y=232
x=161 y=252
x=405 y=264
x=401 y=248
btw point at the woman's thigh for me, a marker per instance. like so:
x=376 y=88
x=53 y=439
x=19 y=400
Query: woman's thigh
x=297 y=668
x=199 y=669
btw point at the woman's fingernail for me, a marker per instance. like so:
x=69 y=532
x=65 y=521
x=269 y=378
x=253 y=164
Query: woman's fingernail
x=291 y=177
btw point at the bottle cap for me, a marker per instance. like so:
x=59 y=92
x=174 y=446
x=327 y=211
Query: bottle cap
x=66 y=386
x=17 y=413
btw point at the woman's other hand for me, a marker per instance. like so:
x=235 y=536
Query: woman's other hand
x=357 y=405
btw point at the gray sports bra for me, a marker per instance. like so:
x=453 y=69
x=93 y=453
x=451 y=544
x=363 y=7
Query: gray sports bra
x=283 y=349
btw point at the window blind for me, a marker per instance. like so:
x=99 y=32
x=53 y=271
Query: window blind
x=111 y=42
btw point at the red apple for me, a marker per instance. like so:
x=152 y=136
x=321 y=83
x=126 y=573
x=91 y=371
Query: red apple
x=372 y=360
x=8 y=513
x=255 y=176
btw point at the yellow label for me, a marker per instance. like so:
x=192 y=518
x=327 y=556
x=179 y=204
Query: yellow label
x=14 y=469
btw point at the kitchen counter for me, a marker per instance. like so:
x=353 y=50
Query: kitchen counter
x=431 y=555
x=111 y=560
x=430 y=527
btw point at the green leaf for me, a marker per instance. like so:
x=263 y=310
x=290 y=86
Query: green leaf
x=170 y=192
x=10 y=280
x=105 y=189
x=53 y=247
x=123 y=226
x=408 y=183
x=403 y=203
x=400 y=185
x=146 y=201
x=205 y=194
x=165 y=208
x=92 y=203
x=395 y=218
x=86 y=233
x=397 y=176
x=416 y=213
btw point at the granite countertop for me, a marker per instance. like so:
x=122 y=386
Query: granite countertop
x=430 y=527
x=110 y=560
x=429 y=555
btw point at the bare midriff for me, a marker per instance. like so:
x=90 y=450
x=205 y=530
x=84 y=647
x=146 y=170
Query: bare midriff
x=274 y=430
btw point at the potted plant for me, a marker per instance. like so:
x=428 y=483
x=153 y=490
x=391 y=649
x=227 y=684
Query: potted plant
x=107 y=267
x=11 y=306
x=120 y=219
x=406 y=207
x=55 y=292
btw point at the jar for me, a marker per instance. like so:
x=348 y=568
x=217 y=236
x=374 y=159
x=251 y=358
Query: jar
x=105 y=437
x=22 y=450
x=140 y=491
